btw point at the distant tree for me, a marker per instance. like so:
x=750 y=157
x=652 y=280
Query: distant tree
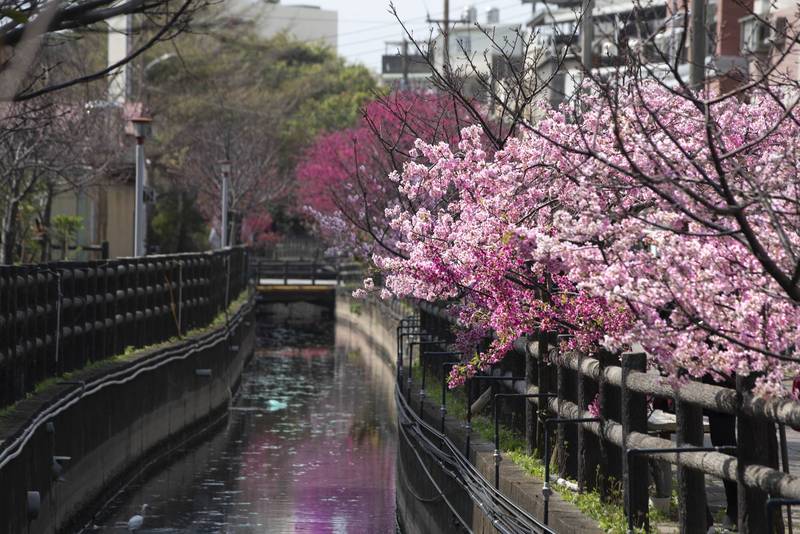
x=28 y=29
x=346 y=178
x=177 y=226
x=254 y=102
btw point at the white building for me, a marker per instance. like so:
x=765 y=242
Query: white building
x=305 y=23
x=482 y=48
x=480 y=45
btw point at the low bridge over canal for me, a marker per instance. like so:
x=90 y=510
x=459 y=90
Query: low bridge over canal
x=292 y=281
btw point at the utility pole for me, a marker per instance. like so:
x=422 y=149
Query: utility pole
x=697 y=64
x=225 y=167
x=447 y=35
x=405 y=64
x=141 y=127
x=445 y=22
x=587 y=34
x=404 y=59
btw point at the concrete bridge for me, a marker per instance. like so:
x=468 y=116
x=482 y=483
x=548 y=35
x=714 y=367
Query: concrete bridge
x=292 y=281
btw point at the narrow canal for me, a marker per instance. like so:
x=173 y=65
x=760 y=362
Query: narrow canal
x=309 y=445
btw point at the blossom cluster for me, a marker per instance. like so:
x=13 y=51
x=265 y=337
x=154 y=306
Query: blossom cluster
x=345 y=176
x=656 y=222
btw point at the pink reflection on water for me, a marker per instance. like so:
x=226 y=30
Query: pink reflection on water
x=337 y=473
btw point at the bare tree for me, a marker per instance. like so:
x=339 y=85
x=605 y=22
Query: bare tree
x=26 y=27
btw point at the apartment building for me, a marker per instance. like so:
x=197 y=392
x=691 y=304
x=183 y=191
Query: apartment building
x=740 y=40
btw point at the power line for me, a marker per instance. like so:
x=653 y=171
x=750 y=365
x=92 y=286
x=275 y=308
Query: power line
x=394 y=23
x=347 y=44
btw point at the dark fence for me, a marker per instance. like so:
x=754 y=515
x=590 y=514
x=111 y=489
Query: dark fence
x=612 y=452
x=60 y=316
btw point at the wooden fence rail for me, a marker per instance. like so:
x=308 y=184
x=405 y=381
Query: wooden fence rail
x=595 y=454
x=60 y=316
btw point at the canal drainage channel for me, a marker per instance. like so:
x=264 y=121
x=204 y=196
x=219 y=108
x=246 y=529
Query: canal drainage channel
x=307 y=447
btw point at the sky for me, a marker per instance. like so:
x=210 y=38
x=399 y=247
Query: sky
x=364 y=25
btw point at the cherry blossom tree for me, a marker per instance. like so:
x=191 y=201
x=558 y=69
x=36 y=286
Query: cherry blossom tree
x=646 y=210
x=345 y=176
x=559 y=231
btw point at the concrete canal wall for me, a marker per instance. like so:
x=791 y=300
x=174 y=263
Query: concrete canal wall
x=110 y=420
x=371 y=329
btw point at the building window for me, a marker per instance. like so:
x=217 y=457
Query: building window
x=463 y=44
x=753 y=36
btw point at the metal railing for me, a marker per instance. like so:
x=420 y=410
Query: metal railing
x=272 y=272
x=60 y=316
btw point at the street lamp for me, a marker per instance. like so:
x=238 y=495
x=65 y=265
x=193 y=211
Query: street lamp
x=225 y=168
x=141 y=129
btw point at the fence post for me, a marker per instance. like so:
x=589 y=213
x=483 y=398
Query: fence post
x=756 y=445
x=530 y=407
x=588 y=445
x=634 y=419
x=543 y=381
x=691 y=483
x=567 y=434
x=180 y=298
x=610 y=454
x=5 y=324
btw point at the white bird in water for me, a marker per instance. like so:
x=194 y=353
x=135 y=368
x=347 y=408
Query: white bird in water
x=136 y=522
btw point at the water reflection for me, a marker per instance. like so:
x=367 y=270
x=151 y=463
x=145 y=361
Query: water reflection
x=309 y=446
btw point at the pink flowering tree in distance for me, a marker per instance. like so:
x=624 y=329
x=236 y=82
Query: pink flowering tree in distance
x=345 y=176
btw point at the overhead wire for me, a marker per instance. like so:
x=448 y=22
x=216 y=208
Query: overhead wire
x=506 y=516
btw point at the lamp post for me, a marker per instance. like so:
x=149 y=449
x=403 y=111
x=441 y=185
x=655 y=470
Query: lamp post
x=225 y=167
x=141 y=129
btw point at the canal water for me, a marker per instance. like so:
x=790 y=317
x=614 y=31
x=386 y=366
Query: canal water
x=309 y=445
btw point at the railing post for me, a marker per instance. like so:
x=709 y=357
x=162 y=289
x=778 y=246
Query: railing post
x=691 y=483
x=610 y=454
x=588 y=446
x=530 y=407
x=5 y=324
x=756 y=445
x=543 y=382
x=634 y=419
x=180 y=298
x=567 y=434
